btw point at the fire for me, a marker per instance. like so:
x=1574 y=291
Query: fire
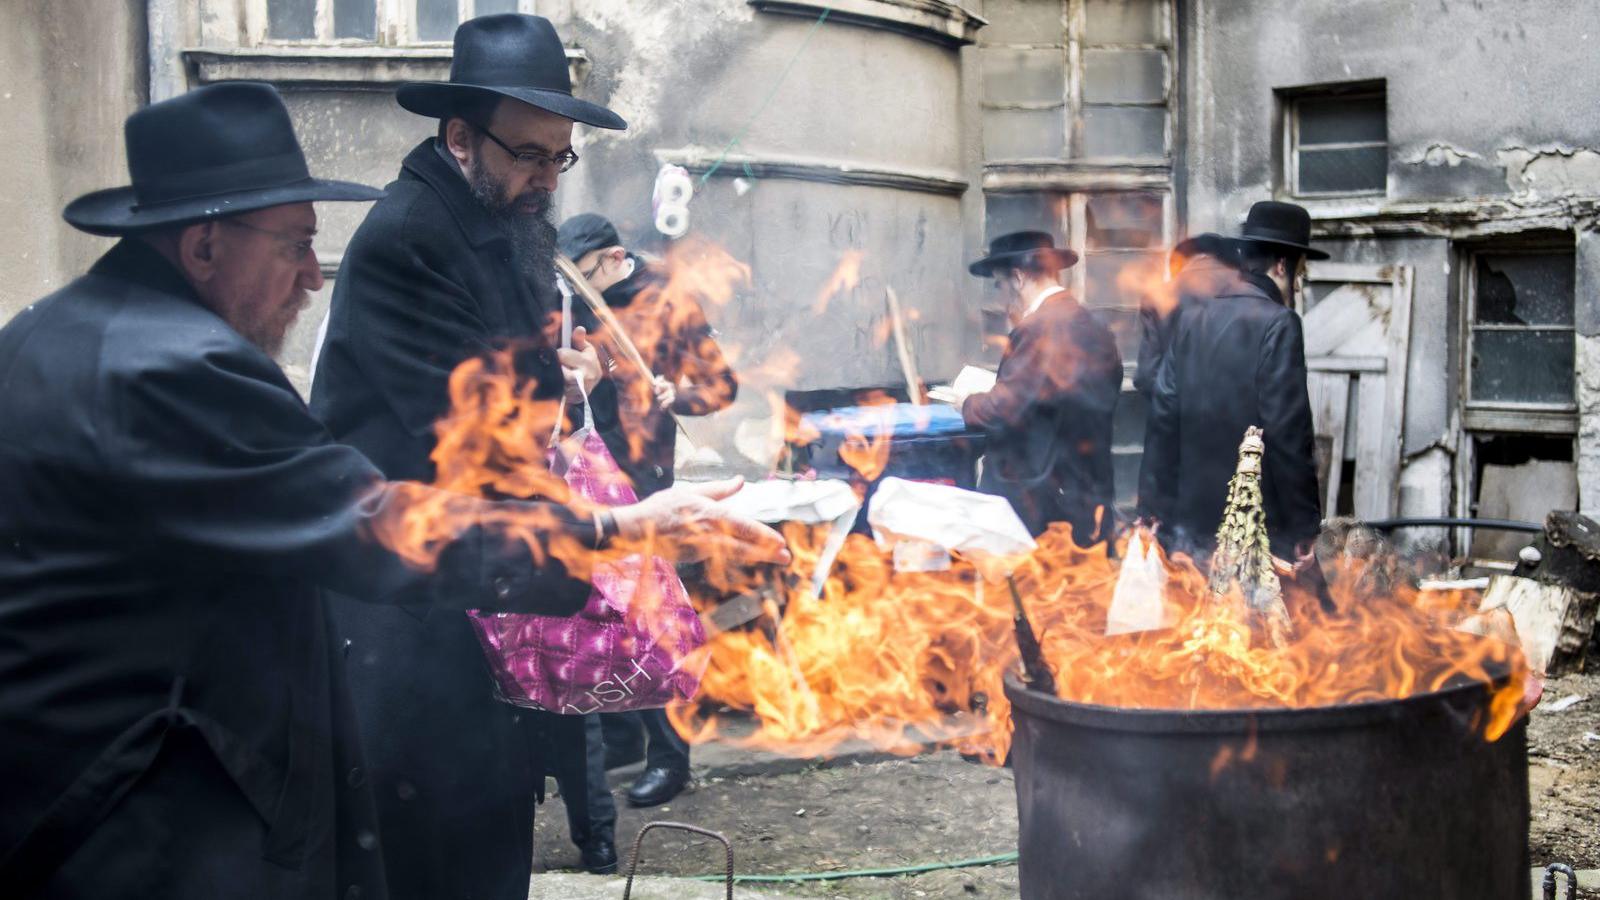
x=899 y=658
x=846 y=276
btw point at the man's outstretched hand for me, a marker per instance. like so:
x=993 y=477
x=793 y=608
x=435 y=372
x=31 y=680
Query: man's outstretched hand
x=687 y=524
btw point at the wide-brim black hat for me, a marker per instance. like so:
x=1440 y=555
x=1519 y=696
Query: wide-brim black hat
x=216 y=151
x=507 y=55
x=1279 y=224
x=1023 y=249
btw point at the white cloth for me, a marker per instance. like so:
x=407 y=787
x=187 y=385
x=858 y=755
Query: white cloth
x=1044 y=295
x=965 y=522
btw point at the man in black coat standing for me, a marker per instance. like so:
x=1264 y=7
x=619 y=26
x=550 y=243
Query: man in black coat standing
x=456 y=260
x=691 y=378
x=174 y=713
x=1048 y=417
x=1237 y=359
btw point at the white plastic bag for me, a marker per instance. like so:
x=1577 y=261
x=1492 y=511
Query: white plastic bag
x=1139 y=601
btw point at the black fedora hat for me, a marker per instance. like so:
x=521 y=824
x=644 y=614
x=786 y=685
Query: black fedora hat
x=1022 y=248
x=216 y=151
x=1281 y=225
x=511 y=55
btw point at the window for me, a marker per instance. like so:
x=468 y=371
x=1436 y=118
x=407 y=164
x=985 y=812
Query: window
x=1086 y=80
x=377 y=21
x=1337 y=142
x=1520 y=342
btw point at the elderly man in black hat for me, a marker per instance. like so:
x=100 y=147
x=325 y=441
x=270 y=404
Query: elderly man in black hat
x=1235 y=360
x=1048 y=417
x=456 y=260
x=175 y=717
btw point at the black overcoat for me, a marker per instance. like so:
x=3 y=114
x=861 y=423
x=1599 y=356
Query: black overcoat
x=673 y=336
x=174 y=718
x=1048 y=421
x=428 y=281
x=1237 y=359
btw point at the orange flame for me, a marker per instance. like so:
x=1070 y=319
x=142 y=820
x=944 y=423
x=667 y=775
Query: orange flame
x=845 y=277
x=897 y=659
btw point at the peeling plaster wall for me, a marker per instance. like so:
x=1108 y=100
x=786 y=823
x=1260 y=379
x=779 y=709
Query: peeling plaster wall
x=1486 y=97
x=1487 y=100
x=74 y=71
x=1588 y=365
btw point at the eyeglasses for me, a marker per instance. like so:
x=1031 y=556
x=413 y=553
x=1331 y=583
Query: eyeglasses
x=528 y=159
x=299 y=247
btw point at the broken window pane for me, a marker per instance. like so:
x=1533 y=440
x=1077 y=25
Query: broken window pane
x=1024 y=22
x=1124 y=76
x=1124 y=219
x=1124 y=22
x=1024 y=134
x=1023 y=76
x=1525 y=289
x=1138 y=132
x=1336 y=120
x=355 y=19
x=1354 y=170
x=490 y=7
x=292 y=20
x=436 y=20
x=1522 y=366
x=1005 y=213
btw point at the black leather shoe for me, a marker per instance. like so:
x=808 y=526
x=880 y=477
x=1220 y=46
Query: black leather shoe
x=599 y=856
x=657 y=786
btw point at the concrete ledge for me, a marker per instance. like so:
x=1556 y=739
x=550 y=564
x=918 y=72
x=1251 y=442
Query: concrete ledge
x=939 y=21
x=1076 y=176
x=359 y=66
x=1454 y=218
x=699 y=160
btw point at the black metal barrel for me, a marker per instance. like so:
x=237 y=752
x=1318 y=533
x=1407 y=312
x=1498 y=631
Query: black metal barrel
x=1402 y=799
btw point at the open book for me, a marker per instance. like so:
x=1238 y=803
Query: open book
x=972 y=380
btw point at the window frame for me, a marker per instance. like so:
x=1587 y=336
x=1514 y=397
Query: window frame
x=1075 y=46
x=395 y=24
x=1290 y=101
x=1509 y=416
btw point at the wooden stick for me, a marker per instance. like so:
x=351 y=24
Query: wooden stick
x=597 y=305
x=907 y=364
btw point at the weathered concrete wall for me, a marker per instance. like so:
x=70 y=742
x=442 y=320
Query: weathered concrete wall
x=74 y=69
x=690 y=76
x=1486 y=97
x=1488 y=100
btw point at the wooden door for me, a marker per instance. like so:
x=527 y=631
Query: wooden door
x=1358 y=334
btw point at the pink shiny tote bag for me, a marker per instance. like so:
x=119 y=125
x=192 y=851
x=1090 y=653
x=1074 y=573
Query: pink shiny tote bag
x=637 y=643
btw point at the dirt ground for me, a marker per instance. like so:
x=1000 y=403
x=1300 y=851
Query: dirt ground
x=884 y=813
x=856 y=815
x=1564 y=774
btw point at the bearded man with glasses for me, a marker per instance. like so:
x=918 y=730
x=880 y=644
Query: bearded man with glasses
x=458 y=259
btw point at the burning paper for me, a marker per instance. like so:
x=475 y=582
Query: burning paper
x=809 y=502
x=1138 y=603
x=981 y=527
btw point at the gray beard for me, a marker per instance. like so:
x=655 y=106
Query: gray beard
x=532 y=234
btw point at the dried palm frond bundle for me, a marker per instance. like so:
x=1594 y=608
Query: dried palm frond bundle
x=1242 y=562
